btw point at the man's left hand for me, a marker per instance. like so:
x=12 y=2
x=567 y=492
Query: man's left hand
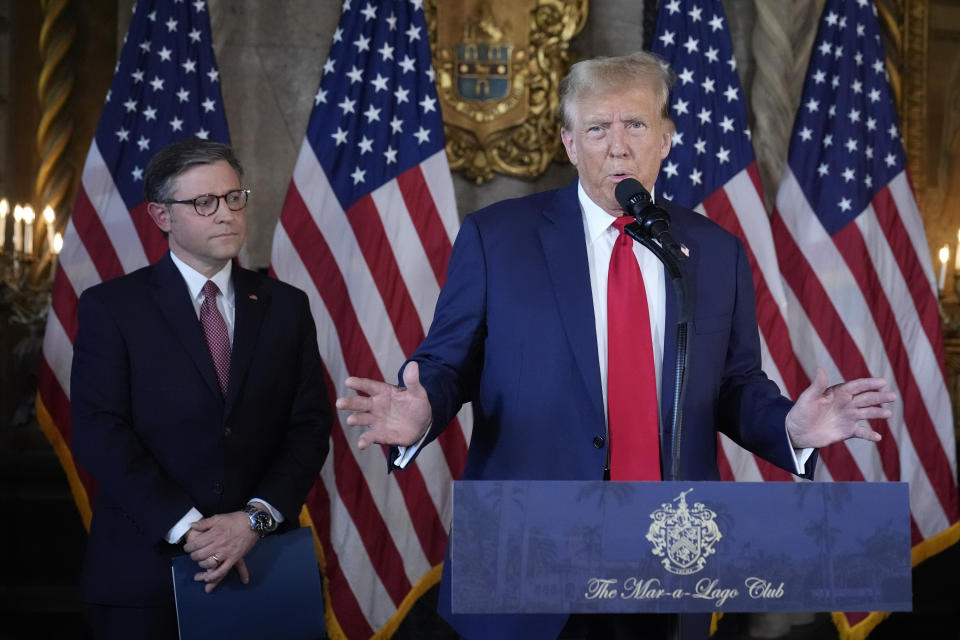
x=218 y=544
x=824 y=415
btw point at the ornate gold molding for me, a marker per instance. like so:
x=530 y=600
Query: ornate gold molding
x=905 y=25
x=54 y=89
x=499 y=65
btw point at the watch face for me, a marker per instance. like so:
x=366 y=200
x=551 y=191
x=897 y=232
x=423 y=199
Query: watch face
x=264 y=522
x=261 y=522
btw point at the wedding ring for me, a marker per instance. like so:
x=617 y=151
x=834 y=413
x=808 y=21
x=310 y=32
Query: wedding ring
x=216 y=559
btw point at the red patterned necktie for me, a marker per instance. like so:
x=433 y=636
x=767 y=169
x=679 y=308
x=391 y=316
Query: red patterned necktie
x=215 y=329
x=631 y=379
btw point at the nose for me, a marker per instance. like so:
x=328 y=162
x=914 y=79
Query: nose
x=618 y=147
x=224 y=214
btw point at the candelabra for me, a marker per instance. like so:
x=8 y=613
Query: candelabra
x=28 y=257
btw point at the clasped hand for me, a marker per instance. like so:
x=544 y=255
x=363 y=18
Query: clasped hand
x=218 y=544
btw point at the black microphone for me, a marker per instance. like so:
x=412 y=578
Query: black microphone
x=653 y=220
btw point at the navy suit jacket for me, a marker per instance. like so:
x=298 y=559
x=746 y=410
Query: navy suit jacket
x=514 y=332
x=152 y=427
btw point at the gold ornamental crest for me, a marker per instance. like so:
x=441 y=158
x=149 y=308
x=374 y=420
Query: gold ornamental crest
x=499 y=65
x=684 y=537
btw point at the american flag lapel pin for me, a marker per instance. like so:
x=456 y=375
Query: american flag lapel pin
x=253 y=297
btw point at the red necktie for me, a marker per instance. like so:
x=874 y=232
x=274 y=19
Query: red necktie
x=631 y=379
x=215 y=329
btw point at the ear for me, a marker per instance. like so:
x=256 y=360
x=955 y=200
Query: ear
x=160 y=216
x=567 y=139
x=667 y=140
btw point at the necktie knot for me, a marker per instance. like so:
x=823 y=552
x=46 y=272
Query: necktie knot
x=620 y=223
x=210 y=290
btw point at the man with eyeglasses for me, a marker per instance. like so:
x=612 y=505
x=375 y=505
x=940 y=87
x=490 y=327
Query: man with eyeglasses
x=198 y=401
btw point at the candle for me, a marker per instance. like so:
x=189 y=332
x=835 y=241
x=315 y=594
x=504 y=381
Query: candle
x=944 y=256
x=57 y=244
x=956 y=265
x=4 y=210
x=17 y=229
x=28 y=217
x=49 y=218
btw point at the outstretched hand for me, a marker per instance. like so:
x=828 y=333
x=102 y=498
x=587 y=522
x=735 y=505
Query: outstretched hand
x=395 y=416
x=825 y=415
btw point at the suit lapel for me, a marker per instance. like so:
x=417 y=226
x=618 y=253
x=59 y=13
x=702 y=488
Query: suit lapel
x=564 y=248
x=173 y=299
x=250 y=304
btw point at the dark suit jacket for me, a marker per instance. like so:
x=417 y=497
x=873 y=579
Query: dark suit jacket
x=151 y=426
x=514 y=332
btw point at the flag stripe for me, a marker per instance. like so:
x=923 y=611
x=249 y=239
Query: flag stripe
x=808 y=289
x=94 y=237
x=905 y=255
x=384 y=490
x=343 y=600
x=330 y=285
x=105 y=201
x=373 y=243
x=426 y=218
x=347 y=320
x=919 y=426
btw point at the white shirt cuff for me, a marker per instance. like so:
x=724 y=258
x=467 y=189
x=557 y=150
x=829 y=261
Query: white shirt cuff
x=180 y=529
x=405 y=454
x=800 y=457
x=276 y=514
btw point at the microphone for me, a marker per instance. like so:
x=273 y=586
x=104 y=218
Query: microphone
x=654 y=222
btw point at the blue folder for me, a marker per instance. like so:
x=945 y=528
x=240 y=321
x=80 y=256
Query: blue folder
x=283 y=600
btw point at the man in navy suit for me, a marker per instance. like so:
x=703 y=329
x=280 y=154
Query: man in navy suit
x=199 y=408
x=520 y=329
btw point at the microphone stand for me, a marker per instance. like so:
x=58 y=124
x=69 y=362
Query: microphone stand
x=671 y=262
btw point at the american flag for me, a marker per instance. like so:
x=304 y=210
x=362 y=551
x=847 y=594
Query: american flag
x=366 y=231
x=166 y=86
x=854 y=255
x=711 y=168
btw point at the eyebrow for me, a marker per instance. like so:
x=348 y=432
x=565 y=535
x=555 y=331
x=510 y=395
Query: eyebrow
x=630 y=117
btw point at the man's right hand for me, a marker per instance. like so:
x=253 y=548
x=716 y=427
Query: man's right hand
x=395 y=416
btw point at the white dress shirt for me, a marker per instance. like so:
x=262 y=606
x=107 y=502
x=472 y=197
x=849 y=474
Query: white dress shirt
x=225 y=304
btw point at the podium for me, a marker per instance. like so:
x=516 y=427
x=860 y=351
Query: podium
x=670 y=547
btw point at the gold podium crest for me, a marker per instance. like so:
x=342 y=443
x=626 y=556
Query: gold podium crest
x=499 y=65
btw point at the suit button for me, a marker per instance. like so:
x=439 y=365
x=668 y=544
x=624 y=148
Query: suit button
x=227 y=431
x=218 y=488
x=598 y=442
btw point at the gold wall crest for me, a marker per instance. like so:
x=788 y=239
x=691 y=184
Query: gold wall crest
x=499 y=65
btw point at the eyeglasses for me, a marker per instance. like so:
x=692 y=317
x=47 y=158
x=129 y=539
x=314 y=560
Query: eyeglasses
x=208 y=203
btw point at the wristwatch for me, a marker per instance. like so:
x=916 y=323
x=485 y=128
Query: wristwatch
x=261 y=522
